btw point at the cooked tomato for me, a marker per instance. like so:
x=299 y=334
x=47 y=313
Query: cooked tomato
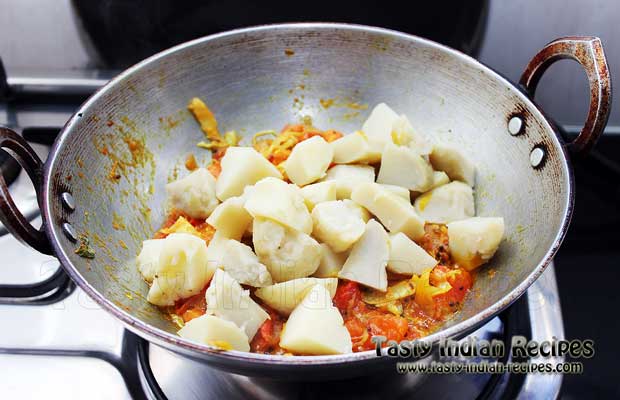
x=347 y=296
x=192 y=307
x=391 y=326
x=267 y=338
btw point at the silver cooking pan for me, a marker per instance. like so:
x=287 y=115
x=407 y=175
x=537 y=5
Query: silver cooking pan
x=137 y=127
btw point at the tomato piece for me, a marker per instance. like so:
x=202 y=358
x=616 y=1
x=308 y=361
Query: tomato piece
x=267 y=338
x=192 y=307
x=391 y=326
x=347 y=296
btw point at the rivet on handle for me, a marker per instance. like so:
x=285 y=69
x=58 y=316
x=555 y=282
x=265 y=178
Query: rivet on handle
x=515 y=125
x=69 y=232
x=67 y=201
x=537 y=156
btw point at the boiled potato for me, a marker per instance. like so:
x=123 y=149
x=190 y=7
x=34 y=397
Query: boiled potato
x=450 y=159
x=316 y=327
x=398 y=190
x=397 y=214
x=474 y=241
x=403 y=166
x=337 y=224
x=148 y=259
x=228 y=300
x=182 y=269
x=230 y=218
x=403 y=134
x=288 y=254
x=447 y=203
x=354 y=148
x=241 y=167
x=318 y=192
x=285 y=296
x=378 y=127
x=368 y=258
x=440 y=178
x=406 y=257
x=359 y=210
x=348 y=176
x=238 y=260
x=308 y=161
x=275 y=199
x=331 y=263
x=193 y=194
x=216 y=332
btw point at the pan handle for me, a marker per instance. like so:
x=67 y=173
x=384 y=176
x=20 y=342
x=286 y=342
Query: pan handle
x=587 y=51
x=11 y=217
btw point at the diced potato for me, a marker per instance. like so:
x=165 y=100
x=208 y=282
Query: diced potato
x=308 y=161
x=148 y=259
x=398 y=190
x=238 y=260
x=354 y=148
x=181 y=225
x=215 y=332
x=316 y=327
x=288 y=254
x=275 y=199
x=359 y=210
x=440 y=178
x=348 y=176
x=230 y=218
x=285 y=296
x=228 y=300
x=406 y=257
x=193 y=194
x=241 y=167
x=403 y=134
x=403 y=166
x=474 y=241
x=394 y=212
x=368 y=258
x=447 y=203
x=451 y=160
x=378 y=127
x=318 y=193
x=182 y=269
x=337 y=224
x=331 y=263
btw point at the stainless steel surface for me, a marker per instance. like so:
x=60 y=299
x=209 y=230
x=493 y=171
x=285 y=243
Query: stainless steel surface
x=449 y=97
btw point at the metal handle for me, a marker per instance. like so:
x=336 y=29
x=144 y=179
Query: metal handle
x=587 y=51
x=11 y=217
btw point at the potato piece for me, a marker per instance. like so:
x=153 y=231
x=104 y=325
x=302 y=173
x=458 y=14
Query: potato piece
x=182 y=269
x=398 y=191
x=238 y=260
x=378 y=126
x=394 y=212
x=285 y=296
x=449 y=159
x=368 y=258
x=230 y=218
x=403 y=134
x=308 y=161
x=359 y=210
x=148 y=259
x=318 y=193
x=406 y=257
x=288 y=254
x=440 y=178
x=216 y=332
x=193 y=194
x=474 y=241
x=316 y=327
x=403 y=166
x=331 y=263
x=447 y=203
x=337 y=224
x=275 y=199
x=228 y=300
x=181 y=225
x=241 y=167
x=354 y=148
x=348 y=176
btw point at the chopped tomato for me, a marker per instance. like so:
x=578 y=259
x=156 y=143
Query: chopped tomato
x=359 y=334
x=347 y=296
x=460 y=280
x=391 y=326
x=192 y=307
x=267 y=338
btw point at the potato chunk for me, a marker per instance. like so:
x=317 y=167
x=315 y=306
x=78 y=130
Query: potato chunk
x=148 y=259
x=337 y=224
x=378 y=126
x=316 y=327
x=368 y=258
x=354 y=148
x=398 y=191
x=216 y=332
x=451 y=160
x=447 y=203
x=288 y=254
x=318 y=193
x=474 y=241
x=230 y=218
x=403 y=134
x=403 y=166
x=241 y=167
x=182 y=269
x=348 y=176
x=193 y=194
x=275 y=199
x=228 y=300
x=285 y=296
x=397 y=214
x=406 y=257
x=308 y=161
x=331 y=263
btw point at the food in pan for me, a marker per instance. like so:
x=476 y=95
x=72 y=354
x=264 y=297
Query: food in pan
x=309 y=242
